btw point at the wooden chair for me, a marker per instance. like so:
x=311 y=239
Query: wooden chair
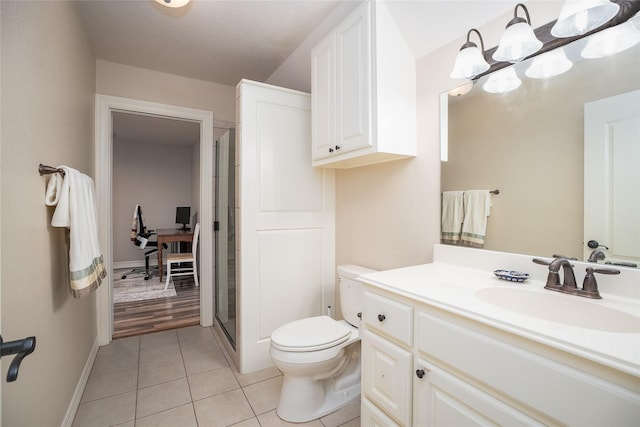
x=187 y=257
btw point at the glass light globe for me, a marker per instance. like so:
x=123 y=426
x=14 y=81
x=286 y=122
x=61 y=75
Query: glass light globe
x=549 y=64
x=502 y=81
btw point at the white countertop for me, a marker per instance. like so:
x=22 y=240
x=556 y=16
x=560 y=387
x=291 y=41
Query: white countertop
x=453 y=288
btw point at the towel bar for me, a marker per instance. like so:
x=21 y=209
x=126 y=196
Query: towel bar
x=47 y=170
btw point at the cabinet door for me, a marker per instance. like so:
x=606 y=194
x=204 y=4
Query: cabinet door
x=442 y=399
x=386 y=376
x=353 y=79
x=323 y=88
x=371 y=416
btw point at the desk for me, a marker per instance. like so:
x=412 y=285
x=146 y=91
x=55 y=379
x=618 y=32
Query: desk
x=168 y=235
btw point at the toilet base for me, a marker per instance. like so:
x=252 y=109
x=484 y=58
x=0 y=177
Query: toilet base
x=304 y=398
x=298 y=410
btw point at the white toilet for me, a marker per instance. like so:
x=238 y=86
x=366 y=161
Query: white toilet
x=320 y=357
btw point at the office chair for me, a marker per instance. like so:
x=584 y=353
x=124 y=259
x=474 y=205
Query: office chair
x=179 y=258
x=140 y=236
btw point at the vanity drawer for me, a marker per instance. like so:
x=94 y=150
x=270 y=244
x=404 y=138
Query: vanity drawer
x=390 y=318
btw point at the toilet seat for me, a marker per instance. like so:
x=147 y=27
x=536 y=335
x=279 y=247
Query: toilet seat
x=310 y=334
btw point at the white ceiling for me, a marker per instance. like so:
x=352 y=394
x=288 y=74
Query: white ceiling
x=224 y=41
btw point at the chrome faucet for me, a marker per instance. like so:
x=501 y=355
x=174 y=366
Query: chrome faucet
x=596 y=255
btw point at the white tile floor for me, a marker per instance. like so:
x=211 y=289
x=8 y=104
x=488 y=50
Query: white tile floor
x=183 y=378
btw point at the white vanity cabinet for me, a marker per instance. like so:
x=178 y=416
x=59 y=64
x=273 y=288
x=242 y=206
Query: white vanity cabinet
x=363 y=92
x=452 y=370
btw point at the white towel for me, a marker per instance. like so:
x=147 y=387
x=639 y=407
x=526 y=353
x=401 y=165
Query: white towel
x=452 y=216
x=73 y=196
x=477 y=207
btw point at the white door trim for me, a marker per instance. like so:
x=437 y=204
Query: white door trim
x=105 y=104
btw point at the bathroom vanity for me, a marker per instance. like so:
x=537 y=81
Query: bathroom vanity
x=448 y=343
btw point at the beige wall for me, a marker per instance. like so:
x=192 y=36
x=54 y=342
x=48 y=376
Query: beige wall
x=389 y=215
x=158 y=177
x=153 y=86
x=48 y=85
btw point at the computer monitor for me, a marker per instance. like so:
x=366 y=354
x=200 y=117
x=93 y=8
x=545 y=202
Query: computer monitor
x=183 y=216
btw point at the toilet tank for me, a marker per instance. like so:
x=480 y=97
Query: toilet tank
x=350 y=291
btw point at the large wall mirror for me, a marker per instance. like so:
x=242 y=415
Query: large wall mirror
x=529 y=143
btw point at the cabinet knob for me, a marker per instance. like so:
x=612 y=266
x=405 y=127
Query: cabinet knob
x=337 y=147
x=420 y=373
x=381 y=317
x=331 y=150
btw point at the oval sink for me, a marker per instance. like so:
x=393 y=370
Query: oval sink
x=560 y=308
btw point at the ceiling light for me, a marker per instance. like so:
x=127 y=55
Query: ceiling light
x=611 y=41
x=578 y=17
x=502 y=81
x=518 y=40
x=470 y=60
x=549 y=64
x=173 y=3
x=462 y=89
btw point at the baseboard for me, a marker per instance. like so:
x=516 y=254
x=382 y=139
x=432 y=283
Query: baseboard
x=134 y=264
x=82 y=383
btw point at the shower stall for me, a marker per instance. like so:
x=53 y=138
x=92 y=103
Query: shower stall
x=225 y=242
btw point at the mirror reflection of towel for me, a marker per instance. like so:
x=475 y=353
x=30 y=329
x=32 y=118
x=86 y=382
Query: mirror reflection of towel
x=477 y=207
x=452 y=216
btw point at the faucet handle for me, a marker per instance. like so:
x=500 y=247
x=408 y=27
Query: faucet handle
x=541 y=261
x=590 y=286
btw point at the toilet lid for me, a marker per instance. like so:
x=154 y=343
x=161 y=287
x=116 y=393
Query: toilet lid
x=310 y=334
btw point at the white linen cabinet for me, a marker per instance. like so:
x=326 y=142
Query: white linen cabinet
x=363 y=92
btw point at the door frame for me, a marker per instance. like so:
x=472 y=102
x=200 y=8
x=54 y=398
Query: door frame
x=103 y=152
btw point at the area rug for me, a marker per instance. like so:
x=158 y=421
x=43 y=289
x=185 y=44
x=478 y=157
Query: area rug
x=135 y=288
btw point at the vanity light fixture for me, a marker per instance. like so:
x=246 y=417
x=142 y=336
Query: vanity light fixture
x=518 y=40
x=611 y=41
x=549 y=64
x=470 y=60
x=502 y=81
x=579 y=17
x=173 y=3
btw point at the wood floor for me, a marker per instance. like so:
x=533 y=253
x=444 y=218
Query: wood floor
x=143 y=317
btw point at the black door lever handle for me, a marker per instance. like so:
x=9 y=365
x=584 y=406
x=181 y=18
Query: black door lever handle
x=21 y=348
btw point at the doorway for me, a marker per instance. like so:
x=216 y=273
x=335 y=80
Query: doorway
x=105 y=106
x=155 y=165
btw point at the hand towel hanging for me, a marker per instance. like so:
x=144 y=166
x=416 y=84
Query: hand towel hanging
x=452 y=216
x=477 y=207
x=74 y=198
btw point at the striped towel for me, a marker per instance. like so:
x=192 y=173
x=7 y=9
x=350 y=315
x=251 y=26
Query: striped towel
x=452 y=215
x=477 y=206
x=74 y=198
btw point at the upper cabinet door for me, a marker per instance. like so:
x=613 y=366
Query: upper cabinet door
x=323 y=87
x=363 y=89
x=353 y=80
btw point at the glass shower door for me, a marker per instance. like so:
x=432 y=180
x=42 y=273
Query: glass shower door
x=225 y=283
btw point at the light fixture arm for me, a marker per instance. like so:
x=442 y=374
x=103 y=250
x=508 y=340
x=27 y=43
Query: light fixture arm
x=469 y=43
x=518 y=19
